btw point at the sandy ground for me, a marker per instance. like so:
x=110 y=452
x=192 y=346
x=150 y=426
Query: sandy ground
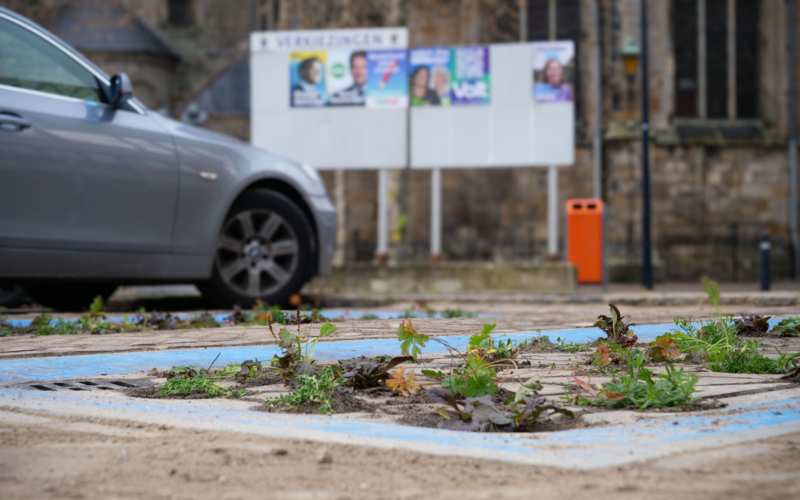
x=70 y=457
x=46 y=457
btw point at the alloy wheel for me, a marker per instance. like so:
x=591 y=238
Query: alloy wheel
x=257 y=253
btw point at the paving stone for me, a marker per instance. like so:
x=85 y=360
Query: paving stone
x=763 y=397
x=782 y=300
x=714 y=380
x=720 y=390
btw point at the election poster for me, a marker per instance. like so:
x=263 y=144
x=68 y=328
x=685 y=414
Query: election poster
x=470 y=75
x=429 y=84
x=307 y=75
x=553 y=71
x=387 y=79
x=347 y=77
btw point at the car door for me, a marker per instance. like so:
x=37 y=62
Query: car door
x=76 y=174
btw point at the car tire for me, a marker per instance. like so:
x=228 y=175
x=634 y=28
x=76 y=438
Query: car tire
x=11 y=295
x=68 y=297
x=264 y=252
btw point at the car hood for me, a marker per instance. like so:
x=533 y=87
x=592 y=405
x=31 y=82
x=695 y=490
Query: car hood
x=250 y=163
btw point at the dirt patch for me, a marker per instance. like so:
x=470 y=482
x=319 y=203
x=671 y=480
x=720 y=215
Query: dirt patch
x=270 y=377
x=539 y=347
x=152 y=393
x=341 y=402
x=793 y=376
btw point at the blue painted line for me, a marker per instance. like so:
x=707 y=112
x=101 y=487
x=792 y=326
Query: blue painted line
x=223 y=318
x=588 y=448
x=54 y=368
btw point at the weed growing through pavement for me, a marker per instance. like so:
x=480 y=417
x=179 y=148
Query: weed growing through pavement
x=198 y=384
x=565 y=346
x=482 y=414
x=315 y=388
x=640 y=388
x=369 y=374
x=789 y=327
x=718 y=342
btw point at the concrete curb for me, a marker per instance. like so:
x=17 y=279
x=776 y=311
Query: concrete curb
x=644 y=299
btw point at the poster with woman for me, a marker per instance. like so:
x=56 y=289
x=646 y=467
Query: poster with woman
x=307 y=74
x=553 y=71
x=429 y=84
x=387 y=79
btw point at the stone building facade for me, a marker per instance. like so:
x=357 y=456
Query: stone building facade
x=718 y=103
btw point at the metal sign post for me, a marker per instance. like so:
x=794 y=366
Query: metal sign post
x=381 y=255
x=436 y=215
x=552 y=212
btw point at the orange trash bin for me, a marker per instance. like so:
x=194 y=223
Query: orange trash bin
x=585 y=238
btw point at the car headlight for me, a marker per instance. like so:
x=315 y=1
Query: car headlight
x=311 y=172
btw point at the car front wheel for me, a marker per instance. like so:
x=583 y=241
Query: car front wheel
x=264 y=252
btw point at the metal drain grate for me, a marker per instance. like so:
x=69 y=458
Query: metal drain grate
x=86 y=385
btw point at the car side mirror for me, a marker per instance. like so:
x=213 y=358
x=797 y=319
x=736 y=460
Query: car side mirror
x=121 y=90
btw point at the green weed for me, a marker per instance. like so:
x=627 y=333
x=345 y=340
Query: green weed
x=198 y=384
x=315 y=388
x=641 y=389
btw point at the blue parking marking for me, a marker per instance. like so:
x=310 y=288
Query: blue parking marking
x=54 y=368
x=577 y=448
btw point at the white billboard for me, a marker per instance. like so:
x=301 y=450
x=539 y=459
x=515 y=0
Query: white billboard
x=335 y=99
x=339 y=99
x=507 y=105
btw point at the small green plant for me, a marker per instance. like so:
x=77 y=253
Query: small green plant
x=297 y=353
x=663 y=349
x=43 y=325
x=639 y=388
x=481 y=414
x=719 y=344
x=368 y=316
x=475 y=379
x=367 y=374
x=752 y=324
x=411 y=341
x=565 y=346
x=198 y=384
x=316 y=388
x=456 y=313
x=608 y=353
x=749 y=360
x=789 y=327
x=183 y=371
x=487 y=343
x=616 y=330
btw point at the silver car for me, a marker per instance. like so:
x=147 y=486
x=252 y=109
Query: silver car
x=98 y=191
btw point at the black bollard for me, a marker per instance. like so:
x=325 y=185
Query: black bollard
x=765 y=246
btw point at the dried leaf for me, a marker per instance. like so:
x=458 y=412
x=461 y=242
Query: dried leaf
x=583 y=385
x=403 y=382
x=613 y=396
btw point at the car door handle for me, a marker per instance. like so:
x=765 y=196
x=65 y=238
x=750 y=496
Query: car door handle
x=12 y=123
